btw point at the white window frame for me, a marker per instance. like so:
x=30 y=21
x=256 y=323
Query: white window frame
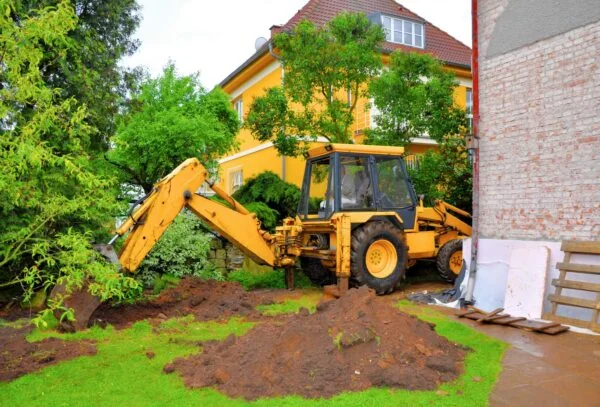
x=238 y=105
x=399 y=25
x=469 y=106
x=236 y=178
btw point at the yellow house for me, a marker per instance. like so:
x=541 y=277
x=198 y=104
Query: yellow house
x=405 y=31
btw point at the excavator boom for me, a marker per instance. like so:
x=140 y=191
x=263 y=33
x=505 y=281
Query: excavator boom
x=177 y=191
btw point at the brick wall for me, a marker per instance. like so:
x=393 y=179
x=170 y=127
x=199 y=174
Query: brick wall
x=540 y=135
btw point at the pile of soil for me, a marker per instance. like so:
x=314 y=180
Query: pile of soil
x=205 y=299
x=349 y=344
x=19 y=357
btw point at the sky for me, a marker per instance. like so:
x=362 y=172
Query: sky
x=215 y=37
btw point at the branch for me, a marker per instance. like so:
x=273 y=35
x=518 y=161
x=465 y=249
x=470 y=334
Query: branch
x=128 y=170
x=9 y=257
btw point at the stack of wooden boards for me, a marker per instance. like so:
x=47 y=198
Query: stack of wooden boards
x=496 y=317
x=570 y=278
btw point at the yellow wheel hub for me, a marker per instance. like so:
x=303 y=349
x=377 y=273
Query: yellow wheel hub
x=381 y=259
x=455 y=262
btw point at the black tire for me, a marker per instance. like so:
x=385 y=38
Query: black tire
x=316 y=273
x=362 y=239
x=443 y=258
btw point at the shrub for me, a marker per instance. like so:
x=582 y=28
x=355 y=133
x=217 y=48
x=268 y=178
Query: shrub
x=182 y=250
x=268 y=217
x=276 y=194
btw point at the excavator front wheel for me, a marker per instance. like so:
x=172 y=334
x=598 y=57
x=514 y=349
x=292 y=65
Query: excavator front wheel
x=449 y=260
x=381 y=258
x=378 y=256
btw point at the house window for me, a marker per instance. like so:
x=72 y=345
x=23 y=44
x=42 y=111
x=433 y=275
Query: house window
x=239 y=108
x=469 y=107
x=236 y=179
x=403 y=31
x=373 y=113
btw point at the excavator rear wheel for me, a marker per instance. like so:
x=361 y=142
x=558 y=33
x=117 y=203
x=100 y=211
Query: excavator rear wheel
x=316 y=273
x=449 y=260
x=378 y=256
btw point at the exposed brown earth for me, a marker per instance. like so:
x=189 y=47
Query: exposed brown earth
x=205 y=299
x=19 y=357
x=350 y=344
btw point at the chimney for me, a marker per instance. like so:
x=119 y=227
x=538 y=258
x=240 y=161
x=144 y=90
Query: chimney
x=275 y=29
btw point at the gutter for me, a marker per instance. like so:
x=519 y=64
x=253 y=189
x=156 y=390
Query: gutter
x=474 y=147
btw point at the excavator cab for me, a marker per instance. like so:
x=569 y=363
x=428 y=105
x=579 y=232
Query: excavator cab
x=352 y=182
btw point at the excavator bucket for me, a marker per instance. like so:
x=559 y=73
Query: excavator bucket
x=108 y=251
x=81 y=301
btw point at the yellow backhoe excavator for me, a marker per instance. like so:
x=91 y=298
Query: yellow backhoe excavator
x=359 y=221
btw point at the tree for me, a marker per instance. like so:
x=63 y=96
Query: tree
x=51 y=199
x=445 y=174
x=415 y=97
x=326 y=69
x=87 y=69
x=171 y=119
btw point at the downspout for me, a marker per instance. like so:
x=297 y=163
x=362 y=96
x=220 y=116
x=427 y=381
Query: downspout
x=474 y=147
x=278 y=58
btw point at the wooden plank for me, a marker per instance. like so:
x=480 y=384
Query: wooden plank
x=580 y=247
x=567 y=320
x=475 y=316
x=578 y=268
x=508 y=320
x=576 y=285
x=462 y=314
x=576 y=302
x=555 y=330
x=490 y=314
x=496 y=317
x=547 y=325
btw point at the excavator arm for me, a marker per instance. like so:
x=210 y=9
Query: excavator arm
x=442 y=214
x=176 y=191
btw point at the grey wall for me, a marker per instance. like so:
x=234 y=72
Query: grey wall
x=524 y=22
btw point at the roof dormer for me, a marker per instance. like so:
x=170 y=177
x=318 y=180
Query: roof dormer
x=401 y=30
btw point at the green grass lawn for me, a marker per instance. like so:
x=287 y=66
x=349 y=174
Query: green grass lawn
x=122 y=374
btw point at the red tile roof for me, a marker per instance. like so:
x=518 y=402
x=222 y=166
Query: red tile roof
x=437 y=42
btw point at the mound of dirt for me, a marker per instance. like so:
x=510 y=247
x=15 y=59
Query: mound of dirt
x=205 y=299
x=19 y=357
x=349 y=344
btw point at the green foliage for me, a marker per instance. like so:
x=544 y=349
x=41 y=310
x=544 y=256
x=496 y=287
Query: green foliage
x=269 y=218
x=267 y=188
x=252 y=280
x=52 y=197
x=445 y=174
x=415 y=97
x=182 y=250
x=163 y=282
x=87 y=68
x=323 y=65
x=170 y=119
x=308 y=300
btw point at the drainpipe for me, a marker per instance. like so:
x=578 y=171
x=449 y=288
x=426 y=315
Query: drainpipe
x=474 y=148
x=278 y=58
